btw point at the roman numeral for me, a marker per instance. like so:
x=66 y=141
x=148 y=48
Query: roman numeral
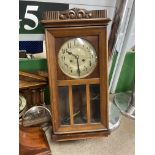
x=63 y=51
x=88 y=48
x=69 y=44
x=66 y=65
x=71 y=69
x=89 y=63
x=85 y=68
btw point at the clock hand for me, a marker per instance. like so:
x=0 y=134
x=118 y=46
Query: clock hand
x=70 y=53
x=78 y=70
x=77 y=58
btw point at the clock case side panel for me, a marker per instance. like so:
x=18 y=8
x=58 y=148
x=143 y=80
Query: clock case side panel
x=51 y=34
x=52 y=73
x=104 y=77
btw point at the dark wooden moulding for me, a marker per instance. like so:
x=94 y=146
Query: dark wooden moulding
x=92 y=26
x=32 y=86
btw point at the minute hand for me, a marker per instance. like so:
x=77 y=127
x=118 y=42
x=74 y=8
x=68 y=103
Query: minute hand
x=78 y=70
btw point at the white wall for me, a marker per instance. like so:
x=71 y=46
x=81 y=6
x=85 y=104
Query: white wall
x=109 y=5
x=106 y=3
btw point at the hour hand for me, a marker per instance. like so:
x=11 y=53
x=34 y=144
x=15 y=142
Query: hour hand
x=70 y=53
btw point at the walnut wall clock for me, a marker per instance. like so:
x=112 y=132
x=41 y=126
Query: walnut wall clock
x=76 y=42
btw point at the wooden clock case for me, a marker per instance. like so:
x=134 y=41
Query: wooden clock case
x=61 y=26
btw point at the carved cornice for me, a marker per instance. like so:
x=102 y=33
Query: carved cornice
x=74 y=13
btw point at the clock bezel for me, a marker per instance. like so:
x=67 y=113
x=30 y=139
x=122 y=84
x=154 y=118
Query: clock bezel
x=87 y=43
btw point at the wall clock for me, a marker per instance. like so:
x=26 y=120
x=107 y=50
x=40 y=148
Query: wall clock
x=76 y=42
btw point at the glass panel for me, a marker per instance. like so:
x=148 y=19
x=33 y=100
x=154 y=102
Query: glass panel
x=95 y=103
x=79 y=104
x=64 y=105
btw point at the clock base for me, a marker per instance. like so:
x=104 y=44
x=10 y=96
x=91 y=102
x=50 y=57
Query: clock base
x=80 y=136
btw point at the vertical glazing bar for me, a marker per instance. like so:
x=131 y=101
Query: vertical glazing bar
x=71 y=105
x=88 y=103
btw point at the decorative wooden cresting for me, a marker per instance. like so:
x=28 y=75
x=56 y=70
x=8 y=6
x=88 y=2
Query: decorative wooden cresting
x=75 y=13
x=77 y=54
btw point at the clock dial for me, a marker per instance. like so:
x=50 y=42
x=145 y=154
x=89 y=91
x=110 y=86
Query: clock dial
x=77 y=58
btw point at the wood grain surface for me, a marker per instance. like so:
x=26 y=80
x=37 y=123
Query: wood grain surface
x=32 y=141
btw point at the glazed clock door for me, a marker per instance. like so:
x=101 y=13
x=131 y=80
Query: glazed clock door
x=77 y=59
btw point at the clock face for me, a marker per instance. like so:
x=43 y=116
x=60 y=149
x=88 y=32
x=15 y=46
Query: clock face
x=77 y=58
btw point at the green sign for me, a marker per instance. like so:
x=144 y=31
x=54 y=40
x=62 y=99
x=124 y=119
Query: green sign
x=30 y=15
